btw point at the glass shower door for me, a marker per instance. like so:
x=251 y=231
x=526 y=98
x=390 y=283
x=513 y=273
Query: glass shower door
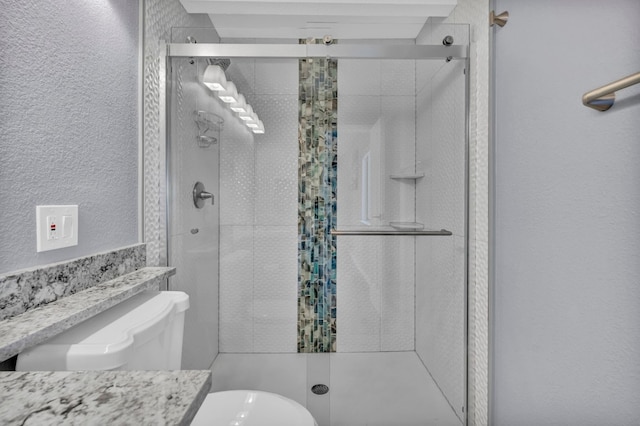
x=401 y=299
x=336 y=248
x=192 y=163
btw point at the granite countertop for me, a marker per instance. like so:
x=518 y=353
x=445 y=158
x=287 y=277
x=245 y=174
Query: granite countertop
x=102 y=397
x=40 y=324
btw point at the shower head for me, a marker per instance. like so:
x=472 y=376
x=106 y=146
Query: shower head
x=221 y=62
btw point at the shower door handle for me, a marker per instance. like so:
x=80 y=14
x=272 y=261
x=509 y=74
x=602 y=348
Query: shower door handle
x=200 y=195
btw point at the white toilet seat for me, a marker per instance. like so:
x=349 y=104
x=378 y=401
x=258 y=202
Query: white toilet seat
x=251 y=408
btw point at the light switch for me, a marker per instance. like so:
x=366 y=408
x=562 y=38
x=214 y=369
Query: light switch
x=56 y=227
x=67 y=226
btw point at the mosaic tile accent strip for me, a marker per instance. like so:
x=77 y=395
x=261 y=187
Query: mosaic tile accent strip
x=317 y=171
x=29 y=288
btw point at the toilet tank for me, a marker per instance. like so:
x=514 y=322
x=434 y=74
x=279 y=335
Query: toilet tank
x=142 y=333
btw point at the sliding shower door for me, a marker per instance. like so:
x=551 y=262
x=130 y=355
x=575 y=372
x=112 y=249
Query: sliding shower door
x=331 y=266
x=402 y=242
x=193 y=151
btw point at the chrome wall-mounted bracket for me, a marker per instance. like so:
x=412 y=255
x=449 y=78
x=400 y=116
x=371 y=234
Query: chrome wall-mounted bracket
x=603 y=98
x=500 y=20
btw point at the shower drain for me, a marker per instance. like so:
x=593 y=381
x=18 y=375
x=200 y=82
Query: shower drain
x=319 y=389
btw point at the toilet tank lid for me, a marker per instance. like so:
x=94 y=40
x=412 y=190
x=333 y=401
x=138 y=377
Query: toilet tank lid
x=113 y=327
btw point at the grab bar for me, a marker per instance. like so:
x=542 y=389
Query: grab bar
x=603 y=97
x=341 y=232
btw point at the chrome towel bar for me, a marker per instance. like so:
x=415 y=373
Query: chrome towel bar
x=603 y=97
x=339 y=232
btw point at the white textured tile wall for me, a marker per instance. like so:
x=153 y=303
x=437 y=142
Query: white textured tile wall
x=188 y=162
x=358 y=77
x=236 y=288
x=258 y=191
x=237 y=174
x=275 y=288
x=276 y=77
x=425 y=70
x=375 y=294
x=375 y=281
x=397 y=293
x=397 y=115
x=276 y=161
x=397 y=77
x=424 y=146
x=359 y=133
x=358 y=298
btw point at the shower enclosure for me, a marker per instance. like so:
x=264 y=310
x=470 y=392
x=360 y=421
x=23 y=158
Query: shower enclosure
x=332 y=249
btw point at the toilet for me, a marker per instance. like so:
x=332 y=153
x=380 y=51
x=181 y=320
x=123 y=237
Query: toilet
x=145 y=333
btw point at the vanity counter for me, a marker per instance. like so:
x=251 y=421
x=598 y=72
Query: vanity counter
x=102 y=397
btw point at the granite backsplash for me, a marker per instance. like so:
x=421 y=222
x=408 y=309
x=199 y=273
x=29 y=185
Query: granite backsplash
x=32 y=287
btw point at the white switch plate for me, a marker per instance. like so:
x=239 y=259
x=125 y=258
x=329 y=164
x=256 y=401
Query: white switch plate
x=56 y=227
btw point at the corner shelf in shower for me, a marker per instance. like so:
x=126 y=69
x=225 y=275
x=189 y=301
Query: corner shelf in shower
x=209 y=126
x=398 y=176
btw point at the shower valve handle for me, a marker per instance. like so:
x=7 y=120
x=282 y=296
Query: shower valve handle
x=204 y=195
x=200 y=195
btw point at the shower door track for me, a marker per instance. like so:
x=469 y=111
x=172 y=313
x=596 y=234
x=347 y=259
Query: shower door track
x=334 y=51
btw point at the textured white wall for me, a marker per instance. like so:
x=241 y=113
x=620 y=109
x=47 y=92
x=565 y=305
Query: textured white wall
x=566 y=328
x=375 y=275
x=258 y=216
x=68 y=133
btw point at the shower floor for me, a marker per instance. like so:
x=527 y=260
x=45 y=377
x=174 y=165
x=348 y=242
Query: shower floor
x=366 y=389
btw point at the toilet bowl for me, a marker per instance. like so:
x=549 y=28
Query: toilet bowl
x=251 y=408
x=145 y=333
